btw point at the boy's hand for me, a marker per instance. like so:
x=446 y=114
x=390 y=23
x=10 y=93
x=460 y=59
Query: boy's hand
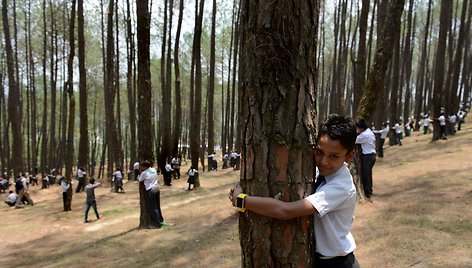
x=234 y=192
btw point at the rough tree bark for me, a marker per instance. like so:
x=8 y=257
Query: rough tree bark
x=278 y=129
x=144 y=99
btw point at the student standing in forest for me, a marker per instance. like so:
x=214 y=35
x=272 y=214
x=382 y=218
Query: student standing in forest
x=192 y=172
x=383 y=135
x=65 y=185
x=442 y=126
x=136 y=170
x=176 y=167
x=398 y=132
x=81 y=179
x=149 y=178
x=366 y=139
x=332 y=204
x=90 y=200
x=118 y=181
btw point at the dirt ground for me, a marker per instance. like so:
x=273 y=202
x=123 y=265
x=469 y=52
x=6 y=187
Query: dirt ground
x=421 y=216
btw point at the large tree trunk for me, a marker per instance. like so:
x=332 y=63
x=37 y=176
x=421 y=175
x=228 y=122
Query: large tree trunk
x=278 y=112
x=14 y=101
x=376 y=78
x=84 y=139
x=439 y=69
x=197 y=107
x=360 y=64
x=144 y=99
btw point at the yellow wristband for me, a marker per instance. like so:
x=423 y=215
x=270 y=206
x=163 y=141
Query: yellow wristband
x=240 y=204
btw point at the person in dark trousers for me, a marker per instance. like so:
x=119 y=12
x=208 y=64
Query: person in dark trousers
x=65 y=185
x=90 y=200
x=149 y=178
x=383 y=135
x=366 y=139
x=81 y=178
x=192 y=172
x=333 y=202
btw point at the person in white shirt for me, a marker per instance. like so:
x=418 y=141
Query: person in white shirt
x=366 y=139
x=90 y=200
x=333 y=203
x=136 y=170
x=460 y=117
x=452 y=123
x=81 y=179
x=442 y=126
x=23 y=191
x=11 y=199
x=168 y=174
x=398 y=133
x=192 y=172
x=118 y=181
x=176 y=167
x=225 y=160
x=149 y=177
x=426 y=122
x=65 y=185
x=383 y=135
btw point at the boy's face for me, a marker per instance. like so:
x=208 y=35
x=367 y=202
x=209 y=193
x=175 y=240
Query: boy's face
x=330 y=155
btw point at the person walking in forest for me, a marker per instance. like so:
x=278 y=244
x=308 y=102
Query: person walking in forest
x=90 y=200
x=176 y=167
x=65 y=185
x=118 y=181
x=192 y=172
x=460 y=118
x=149 y=178
x=366 y=139
x=383 y=135
x=333 y=201
x=81 y=179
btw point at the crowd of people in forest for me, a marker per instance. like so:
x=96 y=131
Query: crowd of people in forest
x=371 y=140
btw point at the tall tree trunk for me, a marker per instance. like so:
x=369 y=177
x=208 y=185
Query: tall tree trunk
x=119 y=136
x=420 y=78
x=130 y=83
x=465 y=26
x=278 y=110
x=14 y=101
x=177 y=132
x=164 y=113
x=211 y=87
x=144 y=99
x=167 y=105
x=110 y=91
x=70 y=90
x=439 y=69
x=408 y=54
x=376 y=78
x=84 y=138
x=360 y=64
x=197 y=108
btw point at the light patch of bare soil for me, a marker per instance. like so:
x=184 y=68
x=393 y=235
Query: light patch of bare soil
x=420 y=217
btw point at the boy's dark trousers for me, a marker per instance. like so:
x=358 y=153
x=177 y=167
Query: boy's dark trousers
x=348 y=261
x=367 y=163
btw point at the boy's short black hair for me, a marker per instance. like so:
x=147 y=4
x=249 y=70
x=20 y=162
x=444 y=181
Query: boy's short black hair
x=92 y=180
x=361 y=124
x=341 y=128
x=146 y=163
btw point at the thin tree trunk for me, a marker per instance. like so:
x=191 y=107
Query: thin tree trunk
x=211 y=87
x=130 y=84
x=84 y=138
x=360 y=64
x=70 y=90
x=177 y=132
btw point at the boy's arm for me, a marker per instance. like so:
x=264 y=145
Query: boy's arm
x=272 y=207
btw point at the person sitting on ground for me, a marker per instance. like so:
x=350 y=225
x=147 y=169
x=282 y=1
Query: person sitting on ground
x=11 y=199
x=90 y=200
x=4 y=183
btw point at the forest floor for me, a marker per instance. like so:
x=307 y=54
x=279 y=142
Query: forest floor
x=421 y=216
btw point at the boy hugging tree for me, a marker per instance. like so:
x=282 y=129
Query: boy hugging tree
x=333 y=202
